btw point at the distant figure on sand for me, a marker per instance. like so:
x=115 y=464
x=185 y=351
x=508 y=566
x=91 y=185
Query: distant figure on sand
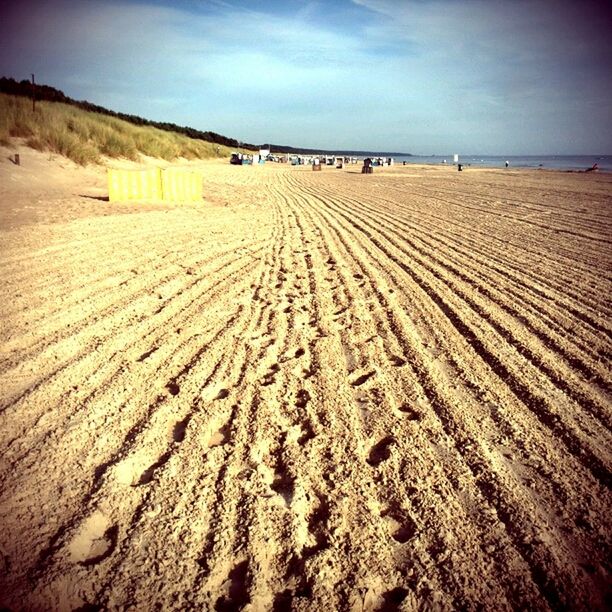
x=507 y=163
x=593 y=168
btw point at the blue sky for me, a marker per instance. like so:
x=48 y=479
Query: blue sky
x=420 y=76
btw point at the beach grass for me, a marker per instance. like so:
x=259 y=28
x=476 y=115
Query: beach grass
x=85 y=136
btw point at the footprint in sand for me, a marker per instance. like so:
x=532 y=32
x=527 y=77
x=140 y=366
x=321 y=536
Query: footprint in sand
x=302 y=399
x=357 y=382
x=147 y=476
x=128 y=471
x=308 y=433
x=283 y=485
x=236 y=594
x=269 y=377
x=401 y=527
x=397 y=361
x=223 y=393
x=381 y=451
x=95 y=540
x=180 y=429
x=173 y=388
x=220 y=437
x=410 y=412
x=318 y=526
x=393 y=598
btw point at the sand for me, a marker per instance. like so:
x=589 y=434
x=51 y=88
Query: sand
x=313 y=391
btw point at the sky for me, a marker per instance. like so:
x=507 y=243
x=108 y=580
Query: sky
x=508 y=77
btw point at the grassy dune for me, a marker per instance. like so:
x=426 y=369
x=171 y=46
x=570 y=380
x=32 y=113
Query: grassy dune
x=85 y=136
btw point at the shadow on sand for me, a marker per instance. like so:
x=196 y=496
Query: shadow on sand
x=91 y=197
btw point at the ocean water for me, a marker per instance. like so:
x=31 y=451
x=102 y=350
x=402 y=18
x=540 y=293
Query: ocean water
x=556 y=162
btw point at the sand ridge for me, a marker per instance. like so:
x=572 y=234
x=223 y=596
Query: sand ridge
x=312 y=391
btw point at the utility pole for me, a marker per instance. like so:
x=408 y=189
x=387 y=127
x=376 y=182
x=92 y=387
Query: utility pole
x=33 y=95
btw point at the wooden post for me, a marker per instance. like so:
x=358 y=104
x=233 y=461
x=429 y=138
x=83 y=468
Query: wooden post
x=33 y=95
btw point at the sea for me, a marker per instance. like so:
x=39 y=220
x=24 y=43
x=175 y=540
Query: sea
x=550 y=162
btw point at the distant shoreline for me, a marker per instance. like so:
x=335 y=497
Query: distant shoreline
x=567 y=163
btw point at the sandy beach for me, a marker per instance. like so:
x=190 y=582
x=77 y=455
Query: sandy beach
x=312 y=391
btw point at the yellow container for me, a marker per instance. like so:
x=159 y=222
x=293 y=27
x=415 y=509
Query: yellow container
x=134 y=184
